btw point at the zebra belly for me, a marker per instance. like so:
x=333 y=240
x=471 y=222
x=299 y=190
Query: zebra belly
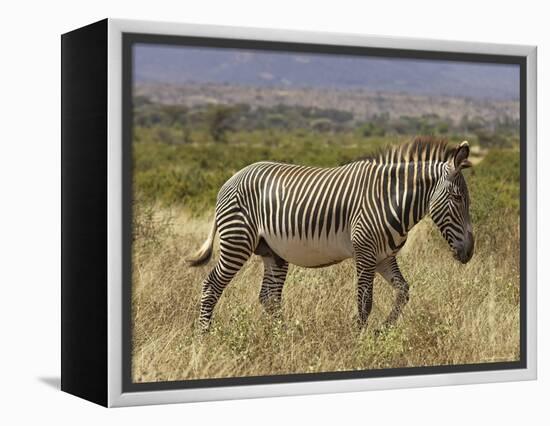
x=311 y=253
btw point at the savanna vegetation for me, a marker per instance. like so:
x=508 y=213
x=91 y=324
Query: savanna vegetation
x=457 y=314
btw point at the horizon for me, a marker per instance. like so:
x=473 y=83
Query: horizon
x=180 y=65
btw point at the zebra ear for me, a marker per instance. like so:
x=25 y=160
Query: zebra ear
x=460 y=160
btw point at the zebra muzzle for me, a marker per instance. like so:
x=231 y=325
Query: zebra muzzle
x=464 y=252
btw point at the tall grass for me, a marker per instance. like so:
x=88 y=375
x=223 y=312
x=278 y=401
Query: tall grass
x=457 y=314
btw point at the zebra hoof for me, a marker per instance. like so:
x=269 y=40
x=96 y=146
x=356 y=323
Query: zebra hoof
x=361 y=325
x=202 y=330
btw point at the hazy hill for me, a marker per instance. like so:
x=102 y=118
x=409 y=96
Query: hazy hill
x=176 y=65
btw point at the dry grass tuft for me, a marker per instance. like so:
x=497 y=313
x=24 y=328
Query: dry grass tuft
x=458 y=314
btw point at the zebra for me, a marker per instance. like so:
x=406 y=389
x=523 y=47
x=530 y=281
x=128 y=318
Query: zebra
x=315 y=217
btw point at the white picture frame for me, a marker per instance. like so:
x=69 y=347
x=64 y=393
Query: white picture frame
x=115 y=393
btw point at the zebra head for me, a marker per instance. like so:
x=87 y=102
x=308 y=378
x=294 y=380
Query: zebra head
x=450 y=205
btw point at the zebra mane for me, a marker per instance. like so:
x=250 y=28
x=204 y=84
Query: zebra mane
x=429 y=147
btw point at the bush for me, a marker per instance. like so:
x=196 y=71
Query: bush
x=494 y=195
x=218 y=119
x=321 y=125
x=371 y=129
x=192 y=174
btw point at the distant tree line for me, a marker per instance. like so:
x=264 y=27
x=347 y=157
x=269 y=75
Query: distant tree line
x=218 y=120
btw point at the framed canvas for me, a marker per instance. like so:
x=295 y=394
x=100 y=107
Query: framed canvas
x=251 y=212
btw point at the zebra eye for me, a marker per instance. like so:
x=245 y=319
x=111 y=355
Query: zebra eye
x=455 y=196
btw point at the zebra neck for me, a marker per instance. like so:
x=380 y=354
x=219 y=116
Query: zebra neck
x=410 y=187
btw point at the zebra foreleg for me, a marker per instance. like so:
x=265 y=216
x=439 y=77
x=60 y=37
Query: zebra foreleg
x=391 y=273
x=365 y=278
x=275 y=270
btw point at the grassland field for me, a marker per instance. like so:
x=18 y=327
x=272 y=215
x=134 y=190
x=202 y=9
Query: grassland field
x=457 y=314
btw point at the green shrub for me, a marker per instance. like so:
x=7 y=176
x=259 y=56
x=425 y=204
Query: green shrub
x=494 y=195
x=192 y=174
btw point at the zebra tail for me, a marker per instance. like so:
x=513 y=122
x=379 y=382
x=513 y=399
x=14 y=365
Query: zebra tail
x=203 y=255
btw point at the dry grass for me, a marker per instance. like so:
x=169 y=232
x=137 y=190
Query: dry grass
x=457 y=314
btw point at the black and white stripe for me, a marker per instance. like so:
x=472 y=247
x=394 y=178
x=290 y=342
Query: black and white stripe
x=314 y=217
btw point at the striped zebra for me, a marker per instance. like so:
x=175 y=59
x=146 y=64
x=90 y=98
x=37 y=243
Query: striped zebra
x=315 y=217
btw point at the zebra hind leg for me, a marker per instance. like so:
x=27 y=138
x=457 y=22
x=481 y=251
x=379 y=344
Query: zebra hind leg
x=275 y=271
x=391 y=273
x=234 y=252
